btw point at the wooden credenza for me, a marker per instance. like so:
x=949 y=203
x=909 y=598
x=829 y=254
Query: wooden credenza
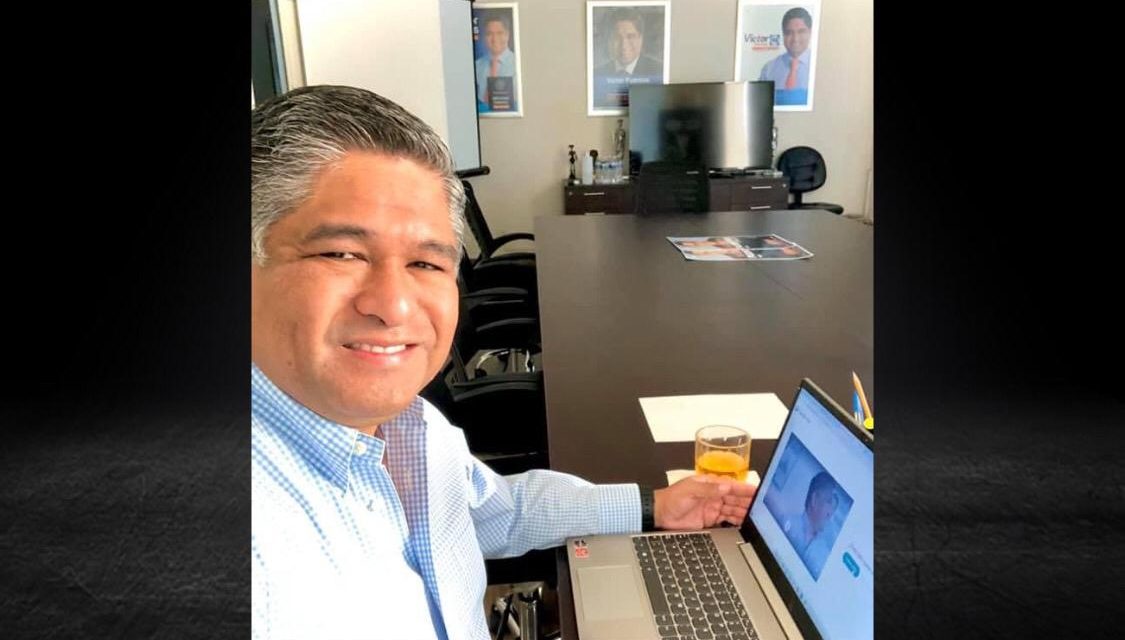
x=741 y=193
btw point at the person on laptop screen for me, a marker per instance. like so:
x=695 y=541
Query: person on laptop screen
x=809 y=531
x=370 y=517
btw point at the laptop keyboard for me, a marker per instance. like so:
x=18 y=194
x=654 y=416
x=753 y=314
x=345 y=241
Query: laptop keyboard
x=691 y=592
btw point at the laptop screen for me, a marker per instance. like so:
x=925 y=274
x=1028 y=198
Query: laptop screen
x=815 y=517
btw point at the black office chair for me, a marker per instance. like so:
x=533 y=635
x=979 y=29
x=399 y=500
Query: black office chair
x=498 y=324
x=672 y=187
x=478 y=226
x=805 y=170
x=503 y=414
x=514 y=278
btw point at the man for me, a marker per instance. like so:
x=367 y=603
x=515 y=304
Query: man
x=370 y=518
x=790 y=70
x=626 y=46
x=810 y=533
x=499 y=62
x=627 y=63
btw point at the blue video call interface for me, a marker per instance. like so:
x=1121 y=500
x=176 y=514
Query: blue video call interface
x=816 y=518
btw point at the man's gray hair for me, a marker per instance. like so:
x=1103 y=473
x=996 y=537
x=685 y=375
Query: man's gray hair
x=296 y=135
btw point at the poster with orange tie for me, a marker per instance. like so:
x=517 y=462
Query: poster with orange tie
x=777 y=41
x=496 y=58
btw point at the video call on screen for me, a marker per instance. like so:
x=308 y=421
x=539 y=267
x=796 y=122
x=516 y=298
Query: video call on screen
x=816 y=518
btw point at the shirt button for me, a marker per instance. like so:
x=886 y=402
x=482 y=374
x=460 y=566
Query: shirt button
x=360 y=448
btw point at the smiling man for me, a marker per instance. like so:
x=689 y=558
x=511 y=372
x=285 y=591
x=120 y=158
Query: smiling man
x=370 y=518
x=626 y=63
x=625 y=47
x=790 y=70
x=498 y=61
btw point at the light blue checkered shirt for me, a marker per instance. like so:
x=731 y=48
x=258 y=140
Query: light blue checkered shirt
x=339 y=553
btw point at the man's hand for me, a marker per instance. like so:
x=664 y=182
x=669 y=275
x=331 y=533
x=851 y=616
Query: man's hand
x=699 y=502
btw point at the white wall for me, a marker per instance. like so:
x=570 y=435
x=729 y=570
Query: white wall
x=392 y=47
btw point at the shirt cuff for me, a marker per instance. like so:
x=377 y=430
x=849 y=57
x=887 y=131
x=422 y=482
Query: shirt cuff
x=619 y=508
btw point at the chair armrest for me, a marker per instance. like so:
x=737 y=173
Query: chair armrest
x=506 y=273
x=512 y=237
x=508 y=257
x=483 y=313
x=502 y=417
x=496 y=293
x=510 y=333
x=503 y=381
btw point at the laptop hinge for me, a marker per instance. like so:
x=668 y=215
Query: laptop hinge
x=777 y=605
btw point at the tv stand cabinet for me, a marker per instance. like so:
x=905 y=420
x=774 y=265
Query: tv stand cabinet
x=738 y=193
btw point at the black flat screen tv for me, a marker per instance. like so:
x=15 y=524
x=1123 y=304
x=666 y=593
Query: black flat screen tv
x=723 y=126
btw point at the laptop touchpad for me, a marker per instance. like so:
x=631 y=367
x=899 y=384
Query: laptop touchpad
x=611 y=593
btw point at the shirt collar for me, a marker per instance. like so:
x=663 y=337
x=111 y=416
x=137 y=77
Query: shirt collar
x=629 y=67
x=326 y=445
x=804 y=57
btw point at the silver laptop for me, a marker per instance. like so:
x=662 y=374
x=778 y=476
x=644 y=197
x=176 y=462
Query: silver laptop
x=800 y=566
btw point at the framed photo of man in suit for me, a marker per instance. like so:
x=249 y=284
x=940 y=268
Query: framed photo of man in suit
x=626 y=43
x=496 y=60
x=777 y=40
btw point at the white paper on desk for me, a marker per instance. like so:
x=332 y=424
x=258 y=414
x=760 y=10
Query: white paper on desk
x=677 y=418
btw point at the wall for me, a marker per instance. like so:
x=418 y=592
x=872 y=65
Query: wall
x=384 y=45
x=528 y=155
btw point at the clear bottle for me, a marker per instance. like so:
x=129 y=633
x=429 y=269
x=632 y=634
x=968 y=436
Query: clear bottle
x=587 y=169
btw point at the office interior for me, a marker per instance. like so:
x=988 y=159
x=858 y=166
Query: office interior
x=396 y=47
x=401 y=49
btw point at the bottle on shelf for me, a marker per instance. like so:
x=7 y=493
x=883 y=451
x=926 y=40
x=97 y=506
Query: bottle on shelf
x=588 y=167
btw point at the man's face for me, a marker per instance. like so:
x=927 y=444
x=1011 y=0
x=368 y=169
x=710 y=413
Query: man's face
x=496 y=37
x=821 y=507
x=626 y=42
x=355 y=309
x=796 y=36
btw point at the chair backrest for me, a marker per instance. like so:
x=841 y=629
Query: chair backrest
x=464 y=337
x=804 y=168
x=478 y=226
x=673 y=187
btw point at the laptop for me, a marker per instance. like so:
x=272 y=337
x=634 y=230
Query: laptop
x=800 y=566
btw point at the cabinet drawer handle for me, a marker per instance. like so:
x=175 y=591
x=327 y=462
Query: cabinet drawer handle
x=764 y=206
x=768 y=186
x=594 y=193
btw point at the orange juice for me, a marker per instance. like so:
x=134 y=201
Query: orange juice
x=726 y=464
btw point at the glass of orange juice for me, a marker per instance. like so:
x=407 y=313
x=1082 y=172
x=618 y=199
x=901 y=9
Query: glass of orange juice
x=722 y=450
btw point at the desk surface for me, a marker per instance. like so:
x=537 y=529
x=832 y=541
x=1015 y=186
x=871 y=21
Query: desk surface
x=624 y=316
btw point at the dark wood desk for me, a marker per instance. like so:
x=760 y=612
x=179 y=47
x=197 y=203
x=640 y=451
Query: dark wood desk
x=624 y=316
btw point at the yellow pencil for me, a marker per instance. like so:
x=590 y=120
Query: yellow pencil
x=862 y=396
